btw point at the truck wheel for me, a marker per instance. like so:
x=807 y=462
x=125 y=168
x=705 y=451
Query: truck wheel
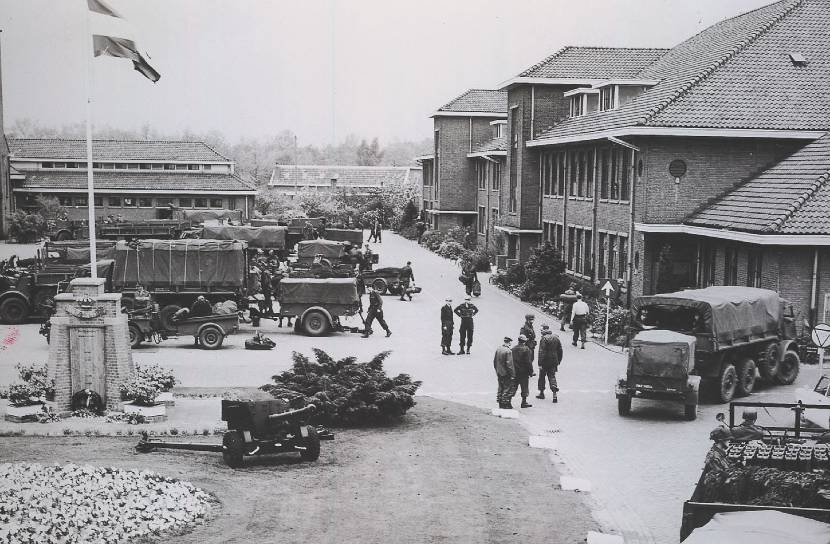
x=788 y=368
x=746 y=377
x=136 y=336
x=727 y=382
x=211 y=337
x=624 y=405
x=315 y=323
x=13 y=310
x=233 y=449
x=312 y=446
x=380 y=285
x=768 y=362
x=63 y=236
x=166 y=316
x=690 y=412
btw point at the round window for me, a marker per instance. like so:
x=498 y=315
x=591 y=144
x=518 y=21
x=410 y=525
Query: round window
x=677 y=168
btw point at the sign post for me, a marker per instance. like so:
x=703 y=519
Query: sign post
x=820 y=335
x=607 y=288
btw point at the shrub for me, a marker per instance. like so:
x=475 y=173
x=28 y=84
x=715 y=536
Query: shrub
x=545 y=273
x=35 y=386
x=144 y=384
x=409 y=232
x=618 y=319
x=432 y=239
x=26 y=227
x=477 y=259
x=450 y=249
x=463 y=235
x=515 y=275
x=161 y=377
x=346 y=392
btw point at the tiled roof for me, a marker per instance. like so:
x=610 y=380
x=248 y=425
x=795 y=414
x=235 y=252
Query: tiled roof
x=113 y=150
x=347 y=176
x=153 y=180
x=735 y=74
x=594 y=63
x=478 y=100
x=792 y=197
x=496 y=144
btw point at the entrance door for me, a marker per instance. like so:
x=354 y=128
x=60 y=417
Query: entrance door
x=86 y=360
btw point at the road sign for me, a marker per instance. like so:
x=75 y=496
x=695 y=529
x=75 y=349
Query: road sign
x=607 y=288
x=609 y=285
x=821 y=335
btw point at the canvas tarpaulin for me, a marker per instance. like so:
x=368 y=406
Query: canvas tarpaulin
x=81 y=254
x=729 y=313
x=270 y=237
x=200 y=216
x=328 y=248
x=663 y=354
x=318 y=291
x=355 y=237
x=760 y=527
x=175 y=264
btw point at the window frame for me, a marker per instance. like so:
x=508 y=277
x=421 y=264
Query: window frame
x=482 y=219
x=213 y=200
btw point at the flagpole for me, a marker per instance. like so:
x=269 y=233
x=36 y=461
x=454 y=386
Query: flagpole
x=90 y=187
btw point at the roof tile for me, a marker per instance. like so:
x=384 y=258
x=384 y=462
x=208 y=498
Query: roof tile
x=131 y=180
x=478 y=100
x=113 y=150
x=594 y=63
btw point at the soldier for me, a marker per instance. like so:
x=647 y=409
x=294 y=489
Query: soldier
x=447 y=323
x=505 y=373
x=529 y=334
x=200 y=308
x=361 y=288
x=523 y=364
x=465 y=311
x=748 y=430
x=566 y=302
x=366 y=261
x=405 y=276
x=550 y=355
x=375 y=311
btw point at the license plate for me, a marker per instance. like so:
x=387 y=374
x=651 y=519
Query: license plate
x=304 y=431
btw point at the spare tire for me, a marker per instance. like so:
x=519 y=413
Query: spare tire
x=166 y=316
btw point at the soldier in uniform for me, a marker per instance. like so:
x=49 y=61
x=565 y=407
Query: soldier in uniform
x=505 y=374
x=465 y=311
x=404 y=277
x=748 y=430
x=522 y=361
x=375 y=311
x=550 y=355
x=447 y=323
x=529 y=334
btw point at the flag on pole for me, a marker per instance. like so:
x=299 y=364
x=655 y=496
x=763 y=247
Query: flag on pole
x=112 y=37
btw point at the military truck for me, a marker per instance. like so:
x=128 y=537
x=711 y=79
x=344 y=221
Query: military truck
x=740 y=333
x=175 y=272
x=766 y=483
x=118 y=230
x=659 y=367
x=318 y=304
x=327 y=253
x=271 y=237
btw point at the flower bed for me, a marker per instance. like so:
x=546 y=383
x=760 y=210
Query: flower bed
x=73 y=503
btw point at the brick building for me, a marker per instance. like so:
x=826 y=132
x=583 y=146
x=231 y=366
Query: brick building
x=357 y=180
x=450 y=194
x=134 y=179
x=698 y=165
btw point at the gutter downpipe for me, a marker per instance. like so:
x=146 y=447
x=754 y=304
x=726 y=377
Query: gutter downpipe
x=633 y=188
x=814 y=291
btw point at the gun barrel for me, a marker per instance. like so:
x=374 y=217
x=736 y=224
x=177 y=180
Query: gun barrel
x=310 y=409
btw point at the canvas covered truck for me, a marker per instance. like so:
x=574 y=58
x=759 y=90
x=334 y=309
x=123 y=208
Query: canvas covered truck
x=119 y=230
x=318 y=304
x=774 y=485
x=741 y=333
x=328 y=254
x=266 y=237
x=175 y=272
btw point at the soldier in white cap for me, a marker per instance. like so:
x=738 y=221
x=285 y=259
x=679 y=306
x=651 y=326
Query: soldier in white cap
x=447 y=324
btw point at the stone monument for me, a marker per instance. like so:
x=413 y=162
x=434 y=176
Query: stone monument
x=89 y=346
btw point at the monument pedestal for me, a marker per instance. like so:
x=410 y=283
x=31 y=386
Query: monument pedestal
x=89 y=346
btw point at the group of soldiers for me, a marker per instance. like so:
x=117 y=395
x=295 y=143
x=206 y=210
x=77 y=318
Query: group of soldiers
x=514 y=366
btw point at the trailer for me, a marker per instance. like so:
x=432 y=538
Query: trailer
x=318 y=304
x=208 y=332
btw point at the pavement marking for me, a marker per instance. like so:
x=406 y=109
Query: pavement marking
x=600 y=538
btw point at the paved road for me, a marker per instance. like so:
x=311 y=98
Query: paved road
x=641 y=468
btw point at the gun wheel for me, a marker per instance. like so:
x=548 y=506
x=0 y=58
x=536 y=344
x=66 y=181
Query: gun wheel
x=312 y=445
x=233 y=449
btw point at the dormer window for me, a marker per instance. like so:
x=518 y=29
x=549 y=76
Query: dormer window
x=608 y=98
x=578 y=105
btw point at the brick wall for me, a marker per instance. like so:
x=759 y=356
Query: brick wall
x=457 y=183
x=714 y=165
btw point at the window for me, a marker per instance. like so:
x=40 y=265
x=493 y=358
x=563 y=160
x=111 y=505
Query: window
x=65 y=200
x=753 y=268
x=165 y=202
x=560 y=174
x=587 y=253
x=544 y=173
x=114 y=201
x=572 y=167
x=604 y=165
x=601 y=254
x=216 y=203
x=145 y=202
x=482 y=220
x=514 y=137
x=206 y=167
x=169 y=166
x=481 y=175
x=608 y=98
x=200 y=203
x=437 y=155
x=582 y=165
x=577 y=106
x=99 y=201
x=157 y=166
x=47 y=165
x=120 y=166
x=571 y=243
x=495 y=172
x=186 y=202
x=612 y=255
x=615 y=175
x=81 y=200
x=231 y=202
x=192 y=166
x=499 y=131
x=132 y=166
x=130 y=201
x=730 y=273
x=60 y=165
x=144 y=166
x=625 y=174
x=623 y=264
x=494 y=217
x=108 y=166
x=182 y=167
x=72 y=165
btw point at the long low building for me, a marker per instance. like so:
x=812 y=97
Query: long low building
x=133 y=179
x=292 y=180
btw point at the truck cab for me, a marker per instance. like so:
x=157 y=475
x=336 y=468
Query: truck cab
x=660 y=365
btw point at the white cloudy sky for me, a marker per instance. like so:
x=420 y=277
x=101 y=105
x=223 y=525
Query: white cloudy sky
x=323 y=68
